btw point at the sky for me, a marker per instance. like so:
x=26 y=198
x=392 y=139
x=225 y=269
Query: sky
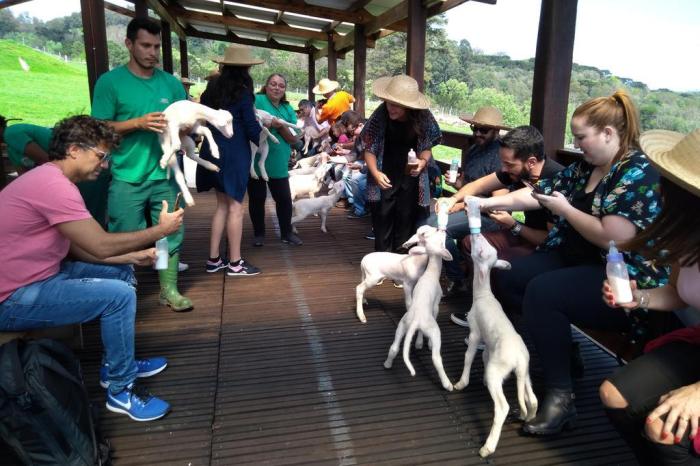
x=652 y=41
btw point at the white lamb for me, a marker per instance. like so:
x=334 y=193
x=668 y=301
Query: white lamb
x=313 y=131
x=422 y=313
x=319 y=205
x=265 y=119
x=312 y=161
x=308 y=185
x=505 y=350
x=185 y=115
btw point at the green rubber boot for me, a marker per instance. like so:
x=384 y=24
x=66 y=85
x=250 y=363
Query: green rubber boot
x=168 y=287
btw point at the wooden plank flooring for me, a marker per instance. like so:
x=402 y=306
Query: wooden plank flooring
x=277 y=370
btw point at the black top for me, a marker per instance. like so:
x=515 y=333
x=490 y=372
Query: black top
x=400 y=138
x=577 y=249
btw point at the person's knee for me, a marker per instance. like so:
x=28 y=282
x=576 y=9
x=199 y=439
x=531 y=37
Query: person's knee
x=610 y=396
x=654 y=432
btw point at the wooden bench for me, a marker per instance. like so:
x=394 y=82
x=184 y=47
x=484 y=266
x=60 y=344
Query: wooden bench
x=71 y=335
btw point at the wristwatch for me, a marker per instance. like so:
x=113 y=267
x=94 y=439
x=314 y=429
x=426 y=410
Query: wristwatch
x=516 y=228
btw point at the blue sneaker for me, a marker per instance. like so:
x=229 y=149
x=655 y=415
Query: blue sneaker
x=146 y=368
x=137 y=403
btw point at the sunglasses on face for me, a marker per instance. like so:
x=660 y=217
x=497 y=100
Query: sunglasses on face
x=102 y=155
x=480 y=129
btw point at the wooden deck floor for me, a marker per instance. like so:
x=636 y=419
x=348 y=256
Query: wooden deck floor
x=277 y=370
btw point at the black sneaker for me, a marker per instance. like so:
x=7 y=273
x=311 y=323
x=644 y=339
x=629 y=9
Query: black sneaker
x=354 y=215
x=215 y=266
x=292 y=239
x=241 y=269
x=258 y=241
x=370 y=236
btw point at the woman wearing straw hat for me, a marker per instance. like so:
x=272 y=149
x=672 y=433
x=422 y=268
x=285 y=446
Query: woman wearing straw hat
x=337 y=102
x=654 y=402
x=397 y=192
x=232 y=90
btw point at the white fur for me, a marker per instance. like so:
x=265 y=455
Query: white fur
x=505 y=350
x=319 y=205
x=308 y=161
x=307 y=185
x=424 y=307
x=313 y=131
x=191 y=116
x=265 y=119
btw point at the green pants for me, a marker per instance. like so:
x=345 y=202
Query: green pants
x=128 y=202
x=95 y=196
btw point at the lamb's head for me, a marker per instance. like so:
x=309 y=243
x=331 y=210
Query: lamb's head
x=223 y=121
x=485 y=256
x=338 y=187
x=431 y=241
x=418 y=237
x=321 y=171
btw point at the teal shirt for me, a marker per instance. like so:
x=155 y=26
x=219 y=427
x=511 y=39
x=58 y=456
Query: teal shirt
x=277 y=161
x=119 y=96
x=18 y=136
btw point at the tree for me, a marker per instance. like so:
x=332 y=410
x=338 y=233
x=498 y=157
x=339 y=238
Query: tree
x=452 y=94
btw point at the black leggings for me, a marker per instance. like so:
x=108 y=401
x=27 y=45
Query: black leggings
x=642 y=382
x=394 y=216
x=552 y=295
x=257 y=193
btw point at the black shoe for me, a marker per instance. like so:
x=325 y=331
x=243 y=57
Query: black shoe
x=258 y=241
x=556 y=413
x=454 y=288
x=370 y=236
x=356 y=215
x=292 y=239
x=576 y=361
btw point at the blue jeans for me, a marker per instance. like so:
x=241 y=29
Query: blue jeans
x=356 y=190
x=457 y=229
x=81 y=292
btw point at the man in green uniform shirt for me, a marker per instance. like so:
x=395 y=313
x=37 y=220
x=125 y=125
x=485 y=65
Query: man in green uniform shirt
x=132 y=98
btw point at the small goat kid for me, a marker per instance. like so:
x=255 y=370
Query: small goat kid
x=424 y=307
x=504 y=351
x=318 y=205
x=263 y=146
x=192 y=117
x=308 y=185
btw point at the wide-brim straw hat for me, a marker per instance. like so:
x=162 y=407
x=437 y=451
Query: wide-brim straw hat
x=325 y=86
x=400 y=90
x=486 y=116
x=187 y=81
x=676 y=156
x=238 y=55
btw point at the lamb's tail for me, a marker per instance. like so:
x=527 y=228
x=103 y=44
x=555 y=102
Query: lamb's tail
x=407 y=346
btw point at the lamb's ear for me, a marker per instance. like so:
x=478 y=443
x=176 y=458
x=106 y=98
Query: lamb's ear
x=446 y=255
x=418 y=250
x=501 y=264
x=411 y=241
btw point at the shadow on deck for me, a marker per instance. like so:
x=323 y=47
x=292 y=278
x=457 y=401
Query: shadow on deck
x=276 y=369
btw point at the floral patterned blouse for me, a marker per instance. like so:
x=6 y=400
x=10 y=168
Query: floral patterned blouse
x=372 y=140
x=631 y=190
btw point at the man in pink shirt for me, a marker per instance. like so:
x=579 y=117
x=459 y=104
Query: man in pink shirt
x=61 y=267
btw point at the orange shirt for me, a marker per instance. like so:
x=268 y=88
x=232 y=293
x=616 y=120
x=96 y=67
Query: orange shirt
x=338 y=103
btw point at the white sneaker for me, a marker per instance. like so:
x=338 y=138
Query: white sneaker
x=181 y=267
x=457 y=319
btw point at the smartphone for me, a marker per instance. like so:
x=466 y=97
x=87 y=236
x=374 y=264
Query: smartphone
x=177 y=202
x=536 y=189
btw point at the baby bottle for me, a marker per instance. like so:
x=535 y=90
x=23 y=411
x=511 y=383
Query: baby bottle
x=618 y=278
x=474 y=215
x=162 y=254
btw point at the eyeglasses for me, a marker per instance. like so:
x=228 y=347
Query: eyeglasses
x=102 y=155
x=480 y=129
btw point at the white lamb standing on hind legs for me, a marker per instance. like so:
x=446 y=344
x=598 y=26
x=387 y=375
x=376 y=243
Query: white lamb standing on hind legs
x=504 y=351
x=317 y=205
x=422 y=313
x=185 y=115
x=263 y=146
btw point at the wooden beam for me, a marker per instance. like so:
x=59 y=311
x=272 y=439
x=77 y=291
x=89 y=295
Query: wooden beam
x=250 y=25
x=311 y=10
x=387 y=18
x=166 y=46
x=344 y=44
x=120 y=9
x=8 y=3
x=95 y=37
x=359 y=69
x=358 y=5
x=330 y=27
x=166 y=15
x=415 y=51
x=312 y=76
x=184 y=62
x=332 y=60
x=239 y=40
x=552 y=76
x=140 y=8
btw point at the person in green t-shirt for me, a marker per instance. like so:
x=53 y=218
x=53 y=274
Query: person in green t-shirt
x=132 y=98
x=272 y=99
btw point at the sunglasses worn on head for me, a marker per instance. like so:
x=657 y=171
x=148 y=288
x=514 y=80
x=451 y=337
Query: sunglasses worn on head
x=480 y=129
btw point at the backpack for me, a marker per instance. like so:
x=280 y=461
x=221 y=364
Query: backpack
x=45 y=413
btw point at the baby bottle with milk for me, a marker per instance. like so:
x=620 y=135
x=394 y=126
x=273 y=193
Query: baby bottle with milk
x=443 y=214
x=452 y=173
x=618 y=277
x=162 y=254
x=474 y=215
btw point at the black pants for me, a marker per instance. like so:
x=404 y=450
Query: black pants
x=394 y=216
x=257 y=193
x=553 y=295
x=642 y=382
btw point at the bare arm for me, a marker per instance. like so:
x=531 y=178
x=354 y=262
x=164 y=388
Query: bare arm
x=36 y=153
x=532 y=235
x=664 y=298
x=485 y=184
x=154 y=121
x=284 y=131
x=382 y=180
x=516 y=200
x=143 y=257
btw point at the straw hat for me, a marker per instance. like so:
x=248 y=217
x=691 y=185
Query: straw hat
x=486 y=116
x=325 y=86
x=187 y=81
x=401 y=90
x=238 y=55
x=676 y=156
x=213 y=74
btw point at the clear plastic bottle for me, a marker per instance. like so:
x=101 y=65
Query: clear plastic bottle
x=452 y=174
x=474 y=215
x=443 y=215
x=411 y=161
x=618 y=278
x=162 y=254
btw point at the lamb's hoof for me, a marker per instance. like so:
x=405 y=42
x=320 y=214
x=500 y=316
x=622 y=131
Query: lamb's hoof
x=215 y=154
x=484 y=452
x=448 y=387
x=324 y=230
x=254 y=176
x=460 y=386
x=388 y=364
x=419 y=344
x=266 y=178
x=163 y=165
x=216 y=169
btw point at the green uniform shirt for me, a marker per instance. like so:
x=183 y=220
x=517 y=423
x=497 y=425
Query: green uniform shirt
x=277 y=161
x=119 y=96
x=18 y=136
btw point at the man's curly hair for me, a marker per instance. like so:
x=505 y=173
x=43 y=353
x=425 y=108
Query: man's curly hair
x=81 y=130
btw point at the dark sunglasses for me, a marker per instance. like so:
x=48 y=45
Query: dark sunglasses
x=480 y=129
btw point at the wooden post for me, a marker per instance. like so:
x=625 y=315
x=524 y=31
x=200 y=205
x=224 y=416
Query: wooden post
x=415 y=53
x=332 y=59
x=360 y=69
x=184 y=64
x=312 y=75
x=553 y=60
x=140 y=8
x=166 y=46
x=95 y=38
